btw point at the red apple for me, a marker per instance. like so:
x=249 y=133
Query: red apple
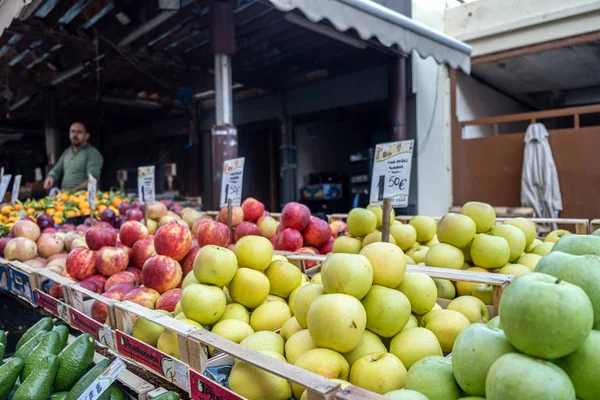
x=119 y=221
x=327 y=247
x=100 y=310
x=213 y=233
x=187 y=264
x=231 y=247
x=267 y=226
x=168 y=300
x=237 y=215
x=253 y=209
x=245 y=229
x=83 y=228
x=161 y=273
x=129 y=250
x=123 y=288
x=295 y=215
x=337 y=227
x=91 y=286
x=156 y=210
x=50 y=230
x=81 y=263
x=44 y=220
x=59 y=256
x=288 y=240
x=308 y=250
x=3 y=243
x=196 y=224
x=35 y=263
x=137 y=273
x=143 y=296
x=173 y=240
x=56 y=291
x=141 y=251
x=124 y=276
x=316 y=233
x=107 y=215
x=100 y=236
x=98 y=279
x=26 y=228
x=134 y=214
x=123 y=207
x=266 y=213
x=49 y=244
x=111 y=260
x=79 y=242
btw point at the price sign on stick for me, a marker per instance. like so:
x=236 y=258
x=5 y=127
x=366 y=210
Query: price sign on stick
x=92 y=182
x=146 y=190
x=104 y=380
x=4 y=186
x=231 y=184
x=14 y=195
x=391 y=173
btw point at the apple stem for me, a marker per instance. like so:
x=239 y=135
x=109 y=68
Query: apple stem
x=558 y=280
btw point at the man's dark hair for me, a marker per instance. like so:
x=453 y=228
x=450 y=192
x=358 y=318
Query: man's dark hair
x=85 y=129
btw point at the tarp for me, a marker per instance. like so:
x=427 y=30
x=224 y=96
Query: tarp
x=372 y=20
x=540 y=188
x=10 y=9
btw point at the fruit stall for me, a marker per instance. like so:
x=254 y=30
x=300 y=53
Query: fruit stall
x=243 y=304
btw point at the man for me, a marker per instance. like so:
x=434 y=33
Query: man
x=77 y=162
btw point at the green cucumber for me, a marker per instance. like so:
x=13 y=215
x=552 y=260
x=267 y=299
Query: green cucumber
x=63 y=331
x=58 y=396
x=43 y=325
x=116 y=393
x=2 y=351
x=85 y=381
x=49 y=345
x=9 y=373
x=168 y=396
x=74 y=361
x=3 y=338
x=28 y=347
x=38 y=385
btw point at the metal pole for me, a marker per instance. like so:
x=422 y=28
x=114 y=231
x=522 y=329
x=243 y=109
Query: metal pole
x=397 y=97
x=223 y=89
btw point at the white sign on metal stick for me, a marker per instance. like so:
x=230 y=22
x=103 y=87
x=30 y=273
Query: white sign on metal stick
x=391 y=173
x=231 y=182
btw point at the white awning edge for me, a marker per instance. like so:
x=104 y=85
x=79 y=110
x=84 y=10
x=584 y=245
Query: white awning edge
x=10 y=9
x=372 y=20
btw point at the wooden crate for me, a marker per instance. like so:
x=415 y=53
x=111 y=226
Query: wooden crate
x=505 y=212
x=355 y=393
x=146 y=356
x=4 y=275
x=594 y=225
x=575 y=225
x=21 y=281
x=55 y=306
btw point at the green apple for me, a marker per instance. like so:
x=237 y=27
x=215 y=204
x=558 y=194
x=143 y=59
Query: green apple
x=203 y=303
x=404 y=394
x=445 y=289
x=456 y=229
x=543 y=249
x=444 y=256
x=347 y=273
x=298 y=344
x=432 y=376
x=388 y=263
x=578 y=245
x=471 y=307
x=425 y=227
x=446 y=325
x=514 y=269
x=404 y=234
x=254 y=383
x=409 y=260
x=378 y=211
x=485 y=293
x=361 y=222
x=495 y=322
x=420 y=290
x=412 y=322
x=346 y=244
x=475 y=350
x=582 y=366
x=303 y=300
x=325 y=362
x=388 y=310
x=466 y=288
x=514 y=236
x=378 y=372
x=189 y=279
x=168 y=342
x=375 y=237
x=555 y=235
x=526 y=226
x=292 y=297
x=336 y=321
x=467 y=253
x=215 y=265
x=536 y=242
x=316 y=279
x=544 y=316
x=529 y=378
x=244 y=279
x=369 y=343
x=290 y=327
x=233 y=329
x=583 y=271
x=482 y=214
x=434 y=240
x=270 y=316
x=273 y=297
x=418 y=254
x=146 y=331
x=283 y=277
x=181 y=315
x=529 y=260
x=489 y=251
x=415 y=344
x=264 y=340
x=235 y=311
x=254 y=252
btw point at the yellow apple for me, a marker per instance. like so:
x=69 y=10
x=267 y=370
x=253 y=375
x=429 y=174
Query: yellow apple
x=325 y=362
x=526 y=226
x=489 y=251
x=361 y=222
x=347 y=273
x=303 y=300
x=376 y=237
x=446 y=325
x=387 y=262
x=254 y=252
x=270 y=316
x=215 y=265
x=420 y=290
x=482 y=214
x=555 y=235
x=254 y=383
x=317 y=279
x=515 y=238
x=346 y=244
x=233 y=329
x=543 y=248
x=434 y=240
x=146 y=331
x=178 y=308
x=405 y=235
x=445 y=289
x=292 y=297
x=370 y=343
x=298 y=344
x=456 y=229
x=264 y=340
x=418 y=254
x=244 y=279
x=425 y=227
x=471 y=307
x=533 y=245
x=414 y=344
x=378 y=211
x=204 y=304
x=466 y=288
x=444 y=256
x=278 y=257
x=168 y=343
x=529 y=260
x=388 y=310
x=484 y=293
x=412 y=323
x=283 y=277
x=409 y=260
x=273 y=297
x=514 y=269
x=290 y=327
x=378 y=372
x=189 y=279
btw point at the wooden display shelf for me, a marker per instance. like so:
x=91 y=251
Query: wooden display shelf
x=594 y=225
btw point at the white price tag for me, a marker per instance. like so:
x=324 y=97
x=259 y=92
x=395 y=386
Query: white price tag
x=14 y=195
x=92 y=193
x=391 y=173
x=103 y=382
x=146 y=187
x=231 y=182
x=4 y=186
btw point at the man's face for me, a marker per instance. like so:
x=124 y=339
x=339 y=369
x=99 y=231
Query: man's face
x=78 y=135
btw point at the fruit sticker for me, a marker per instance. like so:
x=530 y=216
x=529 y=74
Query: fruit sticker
x=231 y=184
x=391 y=173
x=146 y=188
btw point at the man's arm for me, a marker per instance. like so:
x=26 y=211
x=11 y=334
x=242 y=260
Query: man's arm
x=80 y=186
x=57 y=171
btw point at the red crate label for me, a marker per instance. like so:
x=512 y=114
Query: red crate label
x=85 y=324
x=202 y=388
x=47 y=302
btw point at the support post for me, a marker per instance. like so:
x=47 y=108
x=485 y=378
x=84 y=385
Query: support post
x=51 y=130
x=397 y=97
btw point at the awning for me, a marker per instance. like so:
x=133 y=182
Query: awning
x=372 y=20
x=10 y=9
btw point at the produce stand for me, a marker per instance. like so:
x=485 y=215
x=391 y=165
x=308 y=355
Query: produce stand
x=594 y=224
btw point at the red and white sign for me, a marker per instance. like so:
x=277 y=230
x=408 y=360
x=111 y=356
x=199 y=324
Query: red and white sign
x=202 y=388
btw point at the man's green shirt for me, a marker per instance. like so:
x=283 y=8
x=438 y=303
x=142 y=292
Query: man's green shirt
x=73 y=167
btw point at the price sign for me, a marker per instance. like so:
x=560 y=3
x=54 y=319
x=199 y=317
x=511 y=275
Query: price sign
x=4 y=186
x=231 y=184
x=92 y=182
x=146 y=189
x=104 y=380
x=14 y=195
x=391 y=173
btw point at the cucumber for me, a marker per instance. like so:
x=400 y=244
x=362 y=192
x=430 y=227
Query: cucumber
x=85 y=381
x=49 y=345
x=74 y=361
x=58 y=396
x=116 y=393
x=168 y=396
x=2 y=351
x=38 y=385
x=28 y=347
x=43 y=325
x=63 y=331
x=9 y=373
x=3 y=338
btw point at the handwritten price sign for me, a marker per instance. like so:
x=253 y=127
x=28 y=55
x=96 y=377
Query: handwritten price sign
x=391 y=173
x=231 y=184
